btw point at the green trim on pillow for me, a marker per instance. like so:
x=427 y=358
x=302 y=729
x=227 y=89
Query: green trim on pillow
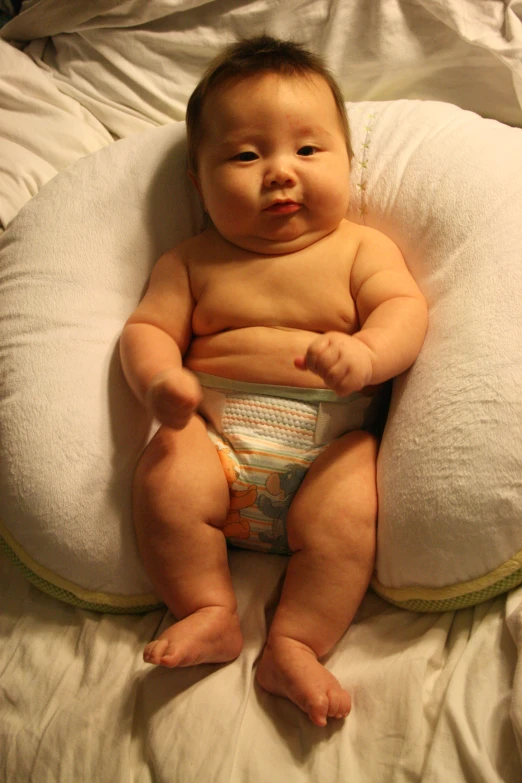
x=70 y=593
x=459 y=596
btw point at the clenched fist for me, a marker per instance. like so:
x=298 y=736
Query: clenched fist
x=173 y=397
x=341 y=360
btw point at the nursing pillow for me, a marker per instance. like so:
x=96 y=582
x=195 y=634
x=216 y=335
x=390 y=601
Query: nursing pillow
x=445 y=184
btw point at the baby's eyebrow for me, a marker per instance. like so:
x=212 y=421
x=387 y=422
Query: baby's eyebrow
x=254 y=136
x=312 y=130
x=240 y=137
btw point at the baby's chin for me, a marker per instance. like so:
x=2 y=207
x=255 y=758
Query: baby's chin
x=280 y=245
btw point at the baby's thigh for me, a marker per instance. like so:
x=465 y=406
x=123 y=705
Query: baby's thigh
x=181 y=471
x=338 y=496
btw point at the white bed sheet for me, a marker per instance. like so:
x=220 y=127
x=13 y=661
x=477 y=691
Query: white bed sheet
x=432 y=696
x=42 y=131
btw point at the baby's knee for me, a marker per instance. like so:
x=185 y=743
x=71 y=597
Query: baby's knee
x=336 y=530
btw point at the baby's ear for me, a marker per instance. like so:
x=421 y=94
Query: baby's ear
x=194 y=179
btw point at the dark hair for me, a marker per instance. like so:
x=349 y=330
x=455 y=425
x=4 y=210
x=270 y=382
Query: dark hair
x=246 y=58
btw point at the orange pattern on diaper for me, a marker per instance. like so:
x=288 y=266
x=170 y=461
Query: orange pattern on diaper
x=235 y=525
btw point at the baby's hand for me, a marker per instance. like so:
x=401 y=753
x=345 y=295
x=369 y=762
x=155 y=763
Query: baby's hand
x=343 y=362
x=173 y=397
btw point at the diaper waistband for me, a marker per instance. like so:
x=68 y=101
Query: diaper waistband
x=303 y=394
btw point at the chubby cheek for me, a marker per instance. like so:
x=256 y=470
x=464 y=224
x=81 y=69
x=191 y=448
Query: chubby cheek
x=224 y=210
x=226 y=201
x=331 y=195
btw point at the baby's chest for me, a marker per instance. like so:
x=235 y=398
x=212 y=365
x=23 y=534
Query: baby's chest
x=276 y=293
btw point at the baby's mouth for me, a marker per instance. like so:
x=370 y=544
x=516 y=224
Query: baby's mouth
x=286 y=207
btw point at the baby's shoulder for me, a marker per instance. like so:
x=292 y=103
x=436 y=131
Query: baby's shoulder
x=189 y=248
x=175 y=263
x=207 y=245
x=366 y=236
x=373 y=247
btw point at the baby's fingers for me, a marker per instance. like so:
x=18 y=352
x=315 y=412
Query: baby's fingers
x=174 y=396
x=322 y=355
x=177 y=387
x=186 y=390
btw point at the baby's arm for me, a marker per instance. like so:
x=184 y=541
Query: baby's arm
x=393 y=318
x=154 y=340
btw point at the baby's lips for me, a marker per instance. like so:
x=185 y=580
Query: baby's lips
x=283 y=207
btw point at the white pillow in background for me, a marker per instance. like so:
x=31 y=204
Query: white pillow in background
x=444 y=183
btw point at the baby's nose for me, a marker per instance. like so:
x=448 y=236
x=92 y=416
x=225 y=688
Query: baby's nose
x=279 y=175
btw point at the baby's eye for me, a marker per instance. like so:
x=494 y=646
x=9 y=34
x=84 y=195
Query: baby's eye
x=306 y=150
x=245 y=156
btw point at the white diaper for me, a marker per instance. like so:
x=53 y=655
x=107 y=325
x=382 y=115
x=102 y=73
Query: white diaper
x=267 y=437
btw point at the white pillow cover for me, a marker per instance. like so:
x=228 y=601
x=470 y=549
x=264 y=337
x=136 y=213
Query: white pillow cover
x=445 y=184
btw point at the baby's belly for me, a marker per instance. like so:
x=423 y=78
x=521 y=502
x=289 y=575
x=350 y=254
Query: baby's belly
x=257 y=354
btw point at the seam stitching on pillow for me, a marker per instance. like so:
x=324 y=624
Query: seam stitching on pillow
x=363 y=163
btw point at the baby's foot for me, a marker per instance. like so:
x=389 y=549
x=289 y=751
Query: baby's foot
x=210 y=635
x=291 y=669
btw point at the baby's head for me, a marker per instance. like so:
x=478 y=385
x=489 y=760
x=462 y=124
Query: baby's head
x=262 y=54
x=268 y=146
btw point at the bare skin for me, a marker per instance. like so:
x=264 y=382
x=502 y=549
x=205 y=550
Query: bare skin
x=326 y=578
x=203 y=600
x=209 y=635
x=291 y=670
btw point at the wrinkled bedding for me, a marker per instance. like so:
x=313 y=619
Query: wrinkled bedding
x=433 y=696
x=436 y=696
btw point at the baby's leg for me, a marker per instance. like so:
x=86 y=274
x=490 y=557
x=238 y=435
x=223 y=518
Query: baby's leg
x=180 y=503
x=331 y=530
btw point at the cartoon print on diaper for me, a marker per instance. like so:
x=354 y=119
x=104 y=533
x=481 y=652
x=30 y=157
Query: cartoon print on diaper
x=283 y=486
x=235 y=525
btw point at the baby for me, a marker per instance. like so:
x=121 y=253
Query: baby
x=259 y=339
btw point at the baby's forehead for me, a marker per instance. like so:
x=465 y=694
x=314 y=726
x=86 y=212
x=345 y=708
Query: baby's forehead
x=233 y=100
x=271 y=81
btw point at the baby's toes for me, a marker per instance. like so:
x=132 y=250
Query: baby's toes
x=171 y=657
x=155 y=650
x=318 y=709
x=339 y=704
